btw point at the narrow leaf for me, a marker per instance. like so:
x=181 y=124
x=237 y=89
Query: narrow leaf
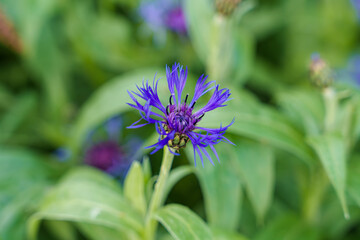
x=256 y=165
x=134 y=189
x=331 y=149
x=221 y=187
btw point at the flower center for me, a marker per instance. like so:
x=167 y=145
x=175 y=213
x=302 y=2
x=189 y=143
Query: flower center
x=180 y=119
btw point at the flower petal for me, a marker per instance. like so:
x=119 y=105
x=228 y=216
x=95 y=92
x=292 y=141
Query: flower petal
x=218 y=99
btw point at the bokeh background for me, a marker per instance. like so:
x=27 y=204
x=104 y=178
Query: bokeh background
x=65 y=67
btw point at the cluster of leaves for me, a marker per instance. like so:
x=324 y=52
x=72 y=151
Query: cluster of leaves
x=289 y=176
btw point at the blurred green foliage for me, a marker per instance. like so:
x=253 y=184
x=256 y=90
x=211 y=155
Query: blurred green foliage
x=292 y=174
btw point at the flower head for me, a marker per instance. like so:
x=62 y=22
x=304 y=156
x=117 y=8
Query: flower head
x=226 y=7
x=351 y=73
x=177 y=123
x=163 y=14
x=321 y=74
x=106 y=152
x=356 y=5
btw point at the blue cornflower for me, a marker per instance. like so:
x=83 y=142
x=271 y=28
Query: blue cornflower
x=106 y=152
x=351 y=73
x=356 y=5
x=177 y=122
x=163 y=14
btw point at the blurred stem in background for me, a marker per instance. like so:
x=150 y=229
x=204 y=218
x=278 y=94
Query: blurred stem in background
x=230 y=46
x=221 y=27
x=322 y=77
x=331 y=102
x=158 y=195
x=318 y=181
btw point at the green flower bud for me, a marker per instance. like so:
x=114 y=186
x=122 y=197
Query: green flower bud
x=226 y=7
x=321 y=74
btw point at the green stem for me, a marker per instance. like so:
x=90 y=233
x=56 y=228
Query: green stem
x=319 y=182
x=220 y=48
x=158 y=195
x=331 y=103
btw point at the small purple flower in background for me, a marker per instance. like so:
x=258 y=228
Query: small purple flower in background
x=356 y=5
x=160 y=15
x=109 y=154
x=351 y=73
x=177 y=122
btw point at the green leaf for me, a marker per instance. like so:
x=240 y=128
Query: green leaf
x=23 y=181
x=17 y=164
x=82 y=174
x=89 y=196
x=220 y=234
x=182 y=223
x=331 y=149
x=221 y=187
x=19 y=111
x=289 y=227
x=96 y=232
x=108 y=101
x=134 y=189
x=146 y=168
x=353 y=180
x=14 y=213
x=304 y=107
x=263 y=125
x=256 y=165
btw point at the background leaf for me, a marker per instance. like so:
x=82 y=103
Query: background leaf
x=23 y=181
x=262 y=124
x=331 y=149
x=108 y=101
x=304 y=107
x=182 y=223
x=256 y=165
x=225 y=235
x=288 y=227
x=134 y=189
x=85 y=197
x=19 y=112
x=221 y=187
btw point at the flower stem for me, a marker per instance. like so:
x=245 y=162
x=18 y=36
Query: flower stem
x=331 y=103
x=158 y=195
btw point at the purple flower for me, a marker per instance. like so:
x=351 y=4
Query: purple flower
x=163 y=14
x=177 y=122
x=107 y=156
x=106 y=152
x=356 y=5
x=351 y=73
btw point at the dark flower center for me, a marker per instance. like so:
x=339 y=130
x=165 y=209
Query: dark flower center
x=104 y=155
x=181 y=119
